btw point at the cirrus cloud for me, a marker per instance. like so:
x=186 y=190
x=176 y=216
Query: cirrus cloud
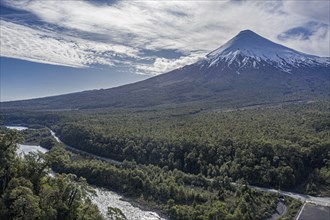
x=85 y=33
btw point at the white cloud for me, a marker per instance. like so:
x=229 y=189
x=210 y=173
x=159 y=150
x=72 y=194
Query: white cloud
x=318 y=10
x=22 y=42
x=163 y=65
x=127 y=27
x=318 y=43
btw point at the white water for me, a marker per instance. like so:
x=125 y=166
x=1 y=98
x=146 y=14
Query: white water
x=54 y=135
x=19 y=128
x=25 y=149
x=107 y=198
x=104 y=197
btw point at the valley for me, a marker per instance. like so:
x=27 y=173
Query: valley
x=236 y=135
x=322 y=201
x=302 y=120
x=103 y=198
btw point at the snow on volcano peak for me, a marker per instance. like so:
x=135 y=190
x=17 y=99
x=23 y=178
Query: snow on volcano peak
x=250 y=49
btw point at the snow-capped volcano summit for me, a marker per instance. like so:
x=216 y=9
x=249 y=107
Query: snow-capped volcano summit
x=248 y=49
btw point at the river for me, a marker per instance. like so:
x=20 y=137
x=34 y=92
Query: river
x=104 y=197
x=322 y=201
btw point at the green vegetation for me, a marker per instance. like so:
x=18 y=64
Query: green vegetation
x=115 y=214
x=293 y=208
x=177 y=194
x=35 y=136
x=283 y=148
x=182 y=161
x=28 y=192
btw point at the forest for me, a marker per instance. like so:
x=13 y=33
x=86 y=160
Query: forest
x=30 y=192
x=176 y=194
x=182 y=161
x=27 y=191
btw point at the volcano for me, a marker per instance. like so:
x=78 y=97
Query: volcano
x=247 y=70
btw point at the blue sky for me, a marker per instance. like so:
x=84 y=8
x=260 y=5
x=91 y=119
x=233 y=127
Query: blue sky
x=56 y=47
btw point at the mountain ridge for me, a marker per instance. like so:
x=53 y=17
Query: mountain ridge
x=241 y=72
x=258 y=50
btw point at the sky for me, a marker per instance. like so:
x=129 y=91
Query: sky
x=56 y=47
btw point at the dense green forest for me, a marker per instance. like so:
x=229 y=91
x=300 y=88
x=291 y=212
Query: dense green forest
x=29 y=192
x=175 y=193
x=182 y=161
x=278 y=147
x=285 y=147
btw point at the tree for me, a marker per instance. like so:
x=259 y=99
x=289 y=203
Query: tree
x=28 y=192
x=115 y=214
x=8 y=149
x=23 y=204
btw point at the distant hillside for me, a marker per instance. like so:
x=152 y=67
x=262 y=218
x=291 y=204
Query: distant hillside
x=247 y=70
